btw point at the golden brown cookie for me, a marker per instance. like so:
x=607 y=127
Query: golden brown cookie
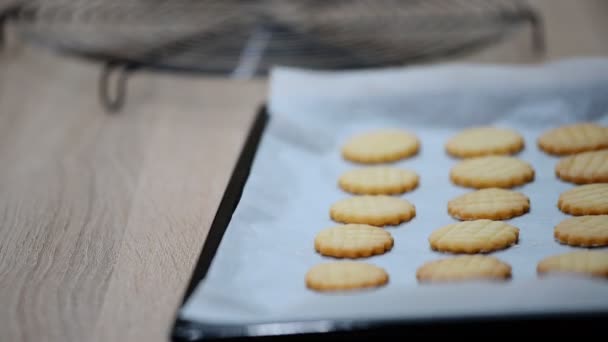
x=491 y=203
x=483 y=141
x=353 y=241
x=589 y=199
x=381 y=146
x=464 y=268
x=345 y=275
x=583 y=231
x=378 y=210
x=587 y=263
x=574 y=138
x=378 y=180
x=584 y=168
x=479 y=236
x=492 y=172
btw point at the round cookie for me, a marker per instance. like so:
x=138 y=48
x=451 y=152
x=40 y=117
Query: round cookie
x=583 y=231
x=483 y=141
x=492 y=172
x=380 y=146
x=378 y=210
x=353 y=241
x=589 y=199
x=378 y=180
x=464 y=268
x=479 y=236
x=574 y=138
x=491 y=203
x=582 y=263
x=584 y=168
x=345 y=275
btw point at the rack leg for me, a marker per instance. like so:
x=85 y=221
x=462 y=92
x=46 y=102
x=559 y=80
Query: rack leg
x=113 y=85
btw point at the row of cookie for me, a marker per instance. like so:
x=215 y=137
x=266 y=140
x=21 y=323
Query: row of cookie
x=392 y=145
x=583 y=162
x=489 y=168
x=563 y=140
x=486 y=267
x=360 y=236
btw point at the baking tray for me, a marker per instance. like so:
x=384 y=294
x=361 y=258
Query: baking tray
x=506 y=324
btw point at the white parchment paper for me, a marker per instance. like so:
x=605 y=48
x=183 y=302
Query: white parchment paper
x=258 y=272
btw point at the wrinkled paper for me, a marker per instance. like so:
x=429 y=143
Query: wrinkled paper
x=257 y=275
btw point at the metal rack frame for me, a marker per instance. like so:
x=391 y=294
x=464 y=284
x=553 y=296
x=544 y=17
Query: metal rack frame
x=117 y=68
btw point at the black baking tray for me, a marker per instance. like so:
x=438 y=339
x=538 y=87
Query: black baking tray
x=504 y=325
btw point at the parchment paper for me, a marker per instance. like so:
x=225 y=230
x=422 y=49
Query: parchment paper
x=258 y=272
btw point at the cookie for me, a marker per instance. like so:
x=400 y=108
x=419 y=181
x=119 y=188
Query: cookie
x=574 y=138
x=492 y=172
x=491 y=203
x=345 y=275
x=378 y=180
x=378 y=210
x=583 y=231
x=479 y=236
x=586 y=263
x=589 y=199
x=584 y=168
x=353 y=241
x=381 y=146
x=464 y=268
x=483 y=141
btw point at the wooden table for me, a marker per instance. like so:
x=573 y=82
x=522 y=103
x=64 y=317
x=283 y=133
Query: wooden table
x=102 y=217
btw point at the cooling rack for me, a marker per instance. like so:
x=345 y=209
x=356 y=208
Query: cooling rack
x=246 y=38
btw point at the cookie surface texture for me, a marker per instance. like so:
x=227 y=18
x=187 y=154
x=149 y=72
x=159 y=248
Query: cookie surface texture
x=574 y=138
x=584 y=168
x=588 y=263
x=381 y=146
x=378 y=210
x=345 y=275
x=583 y=231
x=353 y=241
x=378 y=180
x=483 y=141
x=492 y=172
x=464 y=268
x=491 y=203
x=589 y=199
x=479 y=236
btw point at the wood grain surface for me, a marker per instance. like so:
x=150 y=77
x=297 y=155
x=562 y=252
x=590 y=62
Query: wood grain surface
x=102 y=217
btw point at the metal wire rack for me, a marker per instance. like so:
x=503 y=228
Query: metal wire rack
x=246 y=38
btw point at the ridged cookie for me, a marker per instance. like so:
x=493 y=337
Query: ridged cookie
x=378 y=210
x=589 y=199
x=482 y=141
x=381 y=146
x=492 y=172
x=584 y=168
x=378 y=180
x=353 y=241
x=464 y=268
x=491 y=203
x=479 y=236
x=583 y=231
x=584 y=263
x=574 y=138
x=345 y=275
